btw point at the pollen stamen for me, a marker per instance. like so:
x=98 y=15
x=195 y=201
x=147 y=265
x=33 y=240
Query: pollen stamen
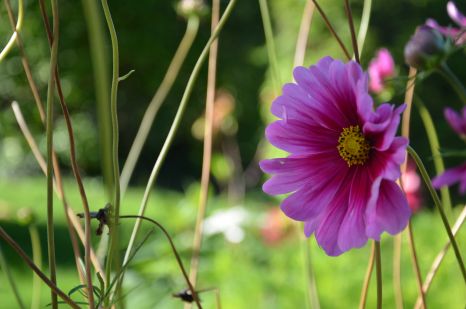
x=353 y=146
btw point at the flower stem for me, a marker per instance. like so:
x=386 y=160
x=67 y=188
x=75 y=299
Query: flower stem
x=364 y=25
x=435 y=149
x=207 y=152
x=37 y=259
x=354 y=42
x=113 y=236
x=4 y=235
x=175 y=252
x=176 y=124
x=303 y=33
x=378 y=268
x=367 y=278
x=159 y=97
x=415 y=261
x=439 y=206
x=16 y=30
x=332 y=30
x=270 y=43
x=456 y=84
x=312 y=296
x=97 y=46
x=10 y=278
x=49 y=133
x=398 y=295
x=439 y=258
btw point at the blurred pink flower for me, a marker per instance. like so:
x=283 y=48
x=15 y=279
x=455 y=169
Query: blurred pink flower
x=457 y=174
x=412 y=187
x=380 y=68
x=275 y=227
x=457 y=34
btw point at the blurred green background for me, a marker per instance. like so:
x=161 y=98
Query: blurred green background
x=249 y=268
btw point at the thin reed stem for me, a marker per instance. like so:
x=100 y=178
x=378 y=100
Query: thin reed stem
x=11 y=280
x=72 y=221
x=176 y=123
x=270 y=43
x=49 y=133
x=438 y=204
x=114 y=230
x=303 y=33
x=207 y=153
x=439 y=258
x=397 y=271
x=367 y=278
x=75 y=168
x=364 y=25
x=378 y=268
x=175 y=252
x=455 y=83
x=159 y=97
x=415 y=262
x=37 y=259
x=97 y=46
x=33 y=266
x=332 y=30
x=354 y=42
x=16 y=30
x=435 y=149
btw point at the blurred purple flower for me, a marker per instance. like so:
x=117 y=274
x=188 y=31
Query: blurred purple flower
x=458 y=174
x=457 y=34
x=380 y=68
x=344 y=157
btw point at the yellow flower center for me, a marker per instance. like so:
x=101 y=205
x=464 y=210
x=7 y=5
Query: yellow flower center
x=352 y=146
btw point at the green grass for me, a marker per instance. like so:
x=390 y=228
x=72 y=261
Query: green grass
x=250 y=274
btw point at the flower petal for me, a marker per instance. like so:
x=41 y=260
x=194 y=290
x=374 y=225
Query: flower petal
x=450 y=176
x=457 y=123
x=391 y=212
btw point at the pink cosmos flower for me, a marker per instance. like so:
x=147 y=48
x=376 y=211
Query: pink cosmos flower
x=456 y=174
x=344 y=157
x=380 y=68
x=412 y=186
x=457 y=34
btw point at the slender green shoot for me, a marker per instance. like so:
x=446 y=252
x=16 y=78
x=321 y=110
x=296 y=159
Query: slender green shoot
x=12 y=39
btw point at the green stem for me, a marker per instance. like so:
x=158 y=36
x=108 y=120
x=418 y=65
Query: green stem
x=12 y=39
x=415 y=262
x=49 y=129
x=270 y=43
x=456 y=84
x=366 y=16
x=112 y=250
x=37 y=259
x=378 y=267
x=159 y=97
x=176 y=124
x=10 y=278
x=312 y=297
x=435 y=149
x=97 y=39
x=438 y=204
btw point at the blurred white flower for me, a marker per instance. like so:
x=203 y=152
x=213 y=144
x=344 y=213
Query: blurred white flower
x=229 y=222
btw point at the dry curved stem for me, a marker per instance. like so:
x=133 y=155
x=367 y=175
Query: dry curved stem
x=354 y=41
x=367 y=278
x=332 y=30
x=439 y=258
x=207 y=153
x=175 y=252
x=33 y=266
